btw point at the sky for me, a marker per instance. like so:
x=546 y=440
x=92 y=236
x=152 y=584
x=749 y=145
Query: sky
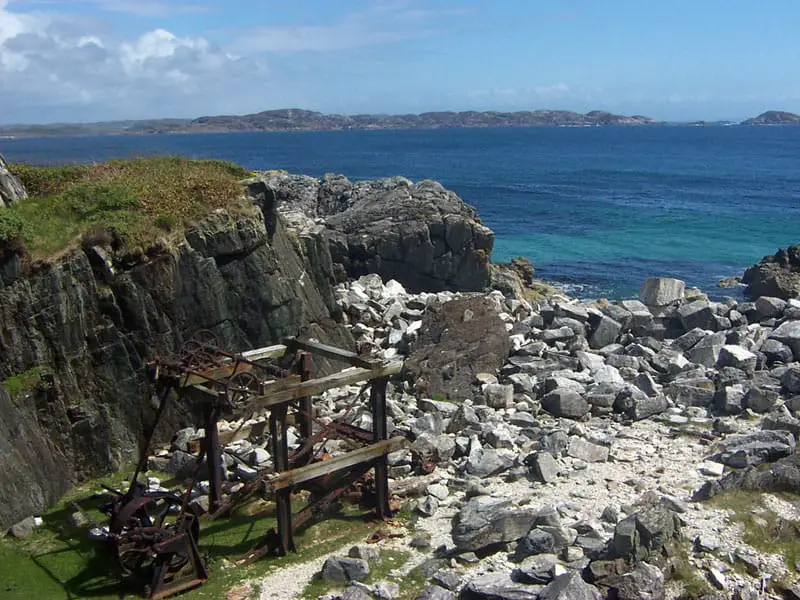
x=676 y=60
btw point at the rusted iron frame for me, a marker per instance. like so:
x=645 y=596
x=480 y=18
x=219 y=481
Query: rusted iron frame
x=324 y=433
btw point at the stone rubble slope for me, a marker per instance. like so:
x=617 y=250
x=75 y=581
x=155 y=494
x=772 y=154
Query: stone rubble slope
x=565 y=467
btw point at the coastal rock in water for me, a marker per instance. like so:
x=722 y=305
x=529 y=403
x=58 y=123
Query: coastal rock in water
x=777 y=275
x=661 y=291
x=11 y=190
x=420 y=234
x=484 y=522
x=452 y=349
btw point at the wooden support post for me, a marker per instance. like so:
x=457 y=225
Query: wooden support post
x=380 y=433
x=280 y=457
x=305 y=416
x=213 y=457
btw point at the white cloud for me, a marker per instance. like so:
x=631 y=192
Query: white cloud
x=57 y=66
x=141 y=8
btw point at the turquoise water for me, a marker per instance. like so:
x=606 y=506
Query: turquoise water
x=597 y=210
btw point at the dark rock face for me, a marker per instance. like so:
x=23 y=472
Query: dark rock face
x=459 y=339
x=777 y=275
x=240 y=276
x=32 y=464
x=11 y=190
x=420 y=234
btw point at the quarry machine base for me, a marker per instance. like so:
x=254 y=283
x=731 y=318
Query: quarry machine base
x=154 y=535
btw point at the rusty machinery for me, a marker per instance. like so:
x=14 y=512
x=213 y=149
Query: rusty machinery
x=155 y=534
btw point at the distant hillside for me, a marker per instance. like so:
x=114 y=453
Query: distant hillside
x=293 y=119
x=774 y=117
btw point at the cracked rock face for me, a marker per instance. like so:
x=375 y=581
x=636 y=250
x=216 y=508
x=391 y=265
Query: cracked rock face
x=239 y=275
x=420 y=234
x=11 y=190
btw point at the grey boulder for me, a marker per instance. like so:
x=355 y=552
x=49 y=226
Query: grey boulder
x=484 y=522
x=570 y=586
x=565 y=403
x=661 y=291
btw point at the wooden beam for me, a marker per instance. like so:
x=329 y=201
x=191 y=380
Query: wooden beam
x=317 y=386
x=257 y=354
x=345 y=461
x=333 y=353
x=213 y=374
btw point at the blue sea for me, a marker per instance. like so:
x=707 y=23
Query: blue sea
x=597 y=210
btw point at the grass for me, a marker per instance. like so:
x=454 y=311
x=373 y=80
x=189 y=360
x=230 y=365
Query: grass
x=22 y=382
x=58 y=561
x=763 y=529
x=694 y=587
x=124 y=204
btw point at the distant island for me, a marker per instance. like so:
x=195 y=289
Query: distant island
x=774 y=117
x=294 y=119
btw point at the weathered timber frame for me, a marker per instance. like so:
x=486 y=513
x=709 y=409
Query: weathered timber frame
x=326 y=479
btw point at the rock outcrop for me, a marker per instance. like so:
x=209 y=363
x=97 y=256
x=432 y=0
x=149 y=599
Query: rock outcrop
x=420 y=234
x=92 y=325
x=777 y=275
x=458 y=340
x=11 y=190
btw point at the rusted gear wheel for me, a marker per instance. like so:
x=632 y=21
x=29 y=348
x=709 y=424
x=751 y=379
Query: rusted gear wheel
x=240 y=388
x=153 y=522
x=199 y=350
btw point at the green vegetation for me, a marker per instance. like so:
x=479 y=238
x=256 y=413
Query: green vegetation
x=763 y=529
x=58 y=560
x=126 y=204
x=27 y=380
x=694 y=587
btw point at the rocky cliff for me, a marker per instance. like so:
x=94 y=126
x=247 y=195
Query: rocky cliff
x=420 y=234
x=10 y=188
x=93 y=325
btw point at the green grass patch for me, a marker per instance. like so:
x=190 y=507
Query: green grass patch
x=25 y=381
x=126 y=204
x=763 y=529
x=59 y=561
x=693 y=585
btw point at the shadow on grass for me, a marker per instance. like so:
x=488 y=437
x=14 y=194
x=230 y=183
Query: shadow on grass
x=60 y=561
